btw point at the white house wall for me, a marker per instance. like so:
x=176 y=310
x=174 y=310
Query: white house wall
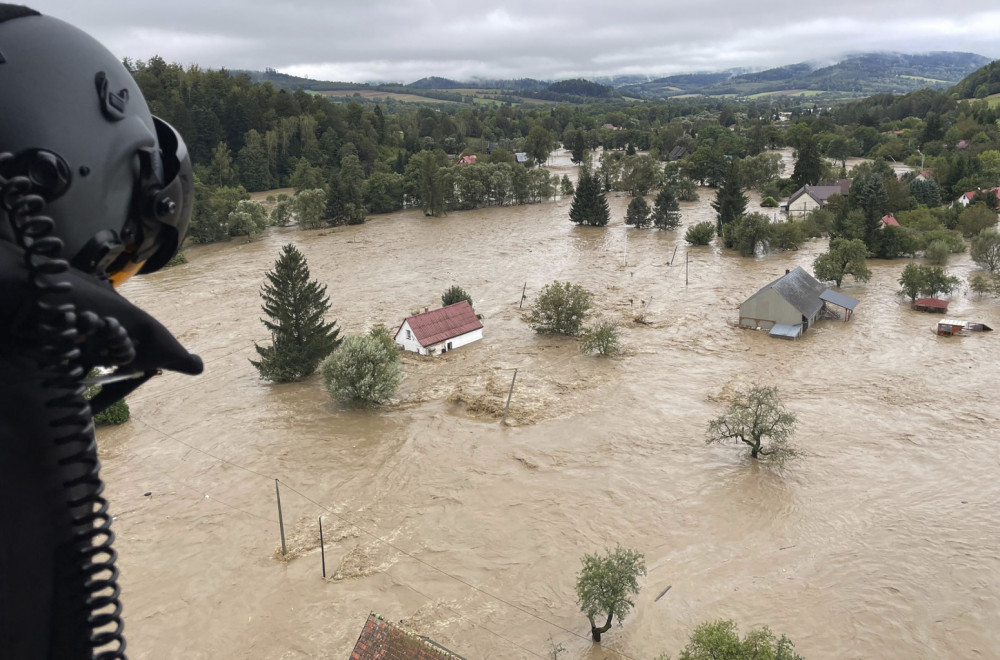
x=413 y=345
x=408 y=340
x=456 y=342
x=802 y=205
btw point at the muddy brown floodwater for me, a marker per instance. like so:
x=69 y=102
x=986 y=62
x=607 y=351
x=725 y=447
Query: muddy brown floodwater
x=881 y=542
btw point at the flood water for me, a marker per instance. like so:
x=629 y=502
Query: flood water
x=880 y=542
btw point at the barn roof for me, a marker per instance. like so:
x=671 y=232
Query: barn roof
x=931 y=302
x=381 y=640
x=799 y=288
x=445 y=323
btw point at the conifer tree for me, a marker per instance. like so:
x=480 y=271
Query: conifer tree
x=666 y=210
x=638 y=213
x=730 y=202
x=590 y=206
x=295 y=306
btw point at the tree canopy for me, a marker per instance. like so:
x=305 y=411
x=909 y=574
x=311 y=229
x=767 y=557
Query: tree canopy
x=606 y=585
x=757 y=418
x=295 y=307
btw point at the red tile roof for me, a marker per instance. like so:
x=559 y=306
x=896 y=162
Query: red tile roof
x=445 y=323
x=381 y=640
x=931 y=302
x=467 y=160
x=890 y=220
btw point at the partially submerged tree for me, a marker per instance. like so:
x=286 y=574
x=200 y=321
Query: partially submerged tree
x=845 y=257
x=985 y=250
x=295 y=307
x=917 y=280
x=560 y=309
x=758 y=419
x=666 y=210
x=602 y=338
x=310 y=205
x=700 y=234
x=730 y=202
x=590 y=206
x=365 y=369
x=605 y=586
x=455 y=294
x=720 y=640
x=637 y=214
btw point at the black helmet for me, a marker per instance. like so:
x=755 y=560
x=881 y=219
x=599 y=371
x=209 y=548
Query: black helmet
x=117 y=181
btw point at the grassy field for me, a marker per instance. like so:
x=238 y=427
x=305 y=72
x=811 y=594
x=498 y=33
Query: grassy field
x=931 y=80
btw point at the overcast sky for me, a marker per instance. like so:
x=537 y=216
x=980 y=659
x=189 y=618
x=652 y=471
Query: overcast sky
x=403 y=40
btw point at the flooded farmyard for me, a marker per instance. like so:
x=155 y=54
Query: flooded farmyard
x=880 y=542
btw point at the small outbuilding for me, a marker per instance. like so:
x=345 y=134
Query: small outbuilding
x=933 y=305
x=440 y=330
x=789 y=305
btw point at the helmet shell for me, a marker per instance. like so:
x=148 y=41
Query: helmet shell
x=65 y=93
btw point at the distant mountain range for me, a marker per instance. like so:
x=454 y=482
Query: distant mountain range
x=853 y=76
x=869 y=73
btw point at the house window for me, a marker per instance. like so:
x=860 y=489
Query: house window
x=408 y=336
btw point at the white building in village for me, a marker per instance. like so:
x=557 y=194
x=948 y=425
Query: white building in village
x=440 y=330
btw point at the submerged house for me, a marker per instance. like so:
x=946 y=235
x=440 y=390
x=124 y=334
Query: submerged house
x=440 y=330
x=809 y=198
x=382 y=640
x=789 y=305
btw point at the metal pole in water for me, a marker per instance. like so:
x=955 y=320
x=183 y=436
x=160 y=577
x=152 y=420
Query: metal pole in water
x=509 y=394
x=687 y=267
x=522 y=295
x=281 y=521
x=322 y=548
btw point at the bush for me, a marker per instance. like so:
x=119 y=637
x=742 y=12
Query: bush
x=769 y=202
x=603 y=338
x=116 y=413
x=700 y=234
x=787 y=235
x=721 y=639
x=560 y=309
x=453 y=295
x=364 y=369
x=986 y=250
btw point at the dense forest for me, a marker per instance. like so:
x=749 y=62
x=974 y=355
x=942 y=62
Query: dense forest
x=369 y=157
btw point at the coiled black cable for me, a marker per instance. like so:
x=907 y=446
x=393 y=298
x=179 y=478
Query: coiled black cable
x=61 y=331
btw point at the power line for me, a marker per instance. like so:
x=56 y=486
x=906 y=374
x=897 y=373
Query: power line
x=442 y=571
x=382 y=540
x=198 y=449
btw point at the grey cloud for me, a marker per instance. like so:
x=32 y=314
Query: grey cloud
x=402 y=40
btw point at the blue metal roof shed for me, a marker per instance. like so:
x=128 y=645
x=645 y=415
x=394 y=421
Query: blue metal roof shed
x=785 y=331
x=840 y=300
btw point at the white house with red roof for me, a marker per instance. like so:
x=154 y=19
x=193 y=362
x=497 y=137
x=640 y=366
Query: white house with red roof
x=889 y=221
x=966 y=197
x=440 y=330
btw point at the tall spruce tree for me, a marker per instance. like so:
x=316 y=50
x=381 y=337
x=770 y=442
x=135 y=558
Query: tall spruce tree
x=730 y=202
x=295 y=306
x=590 y=206
x=666 y=210
x=809 y=164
